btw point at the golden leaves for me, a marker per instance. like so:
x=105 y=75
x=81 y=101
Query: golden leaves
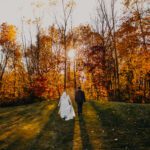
x=70 y=4
x=7 y=33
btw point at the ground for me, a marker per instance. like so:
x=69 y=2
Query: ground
x=103 y=126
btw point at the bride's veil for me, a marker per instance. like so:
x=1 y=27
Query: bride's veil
x=63 y=97
x=66 y=109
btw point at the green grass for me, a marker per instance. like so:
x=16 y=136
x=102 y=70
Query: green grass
x=125 y=126
x=106 y=126
x=35 y=126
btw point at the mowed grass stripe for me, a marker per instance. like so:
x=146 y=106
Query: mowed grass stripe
x=56 y=134
x=21 y=126
x=104 y=126
x=91 y=126
x=77 y=141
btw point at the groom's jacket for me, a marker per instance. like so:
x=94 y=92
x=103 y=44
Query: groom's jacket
x=79 y=96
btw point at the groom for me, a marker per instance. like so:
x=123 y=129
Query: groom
x=80 y=99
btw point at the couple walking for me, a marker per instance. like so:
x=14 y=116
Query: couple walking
x=66 y=109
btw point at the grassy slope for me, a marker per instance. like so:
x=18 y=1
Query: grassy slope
x=124 y=126
x=109 y=126
x=35 y=126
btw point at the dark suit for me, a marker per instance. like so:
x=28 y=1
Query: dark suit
x=80 y=99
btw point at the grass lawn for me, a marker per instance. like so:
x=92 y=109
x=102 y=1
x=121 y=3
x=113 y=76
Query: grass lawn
x=123 y=126
x=107 y=126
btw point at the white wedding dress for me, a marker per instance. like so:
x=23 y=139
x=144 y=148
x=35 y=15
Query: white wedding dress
x=66 y=110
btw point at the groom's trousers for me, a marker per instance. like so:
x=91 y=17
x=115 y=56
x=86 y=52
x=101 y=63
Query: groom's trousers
x=79 y=108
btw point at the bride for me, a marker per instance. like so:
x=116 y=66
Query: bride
x=66 y=110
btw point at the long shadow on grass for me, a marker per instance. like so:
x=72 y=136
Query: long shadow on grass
x=56 y=134
x=121 y=130
x=17 y=124
x=84 y=134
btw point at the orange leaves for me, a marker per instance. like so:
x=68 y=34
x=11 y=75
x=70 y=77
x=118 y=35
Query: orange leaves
x=7 y=33
x=70 y=4
x=17 y=52
x=39 y=86
x=53 y=33
x=45 y=41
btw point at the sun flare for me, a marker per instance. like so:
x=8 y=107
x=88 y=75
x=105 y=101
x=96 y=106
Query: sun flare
x=72 y=54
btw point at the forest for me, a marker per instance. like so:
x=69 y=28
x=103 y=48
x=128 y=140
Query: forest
x=111 y=61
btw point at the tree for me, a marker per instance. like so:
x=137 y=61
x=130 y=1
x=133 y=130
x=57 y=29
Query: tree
x=67 y=8
x=8 y=46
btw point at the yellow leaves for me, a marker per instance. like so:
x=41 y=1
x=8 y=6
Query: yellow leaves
x=45 y=40
x=17 y=54
x=139 y=65
x=7 y=33
x=53 y=33
x=53 y=2
x=70 y=4
x=129 y=3
x=38 y=4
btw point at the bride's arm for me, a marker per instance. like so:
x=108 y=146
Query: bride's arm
x=69 y=100
x=59 y=102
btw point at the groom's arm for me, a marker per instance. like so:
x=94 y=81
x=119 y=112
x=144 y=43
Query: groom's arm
x=84 y=97
x=69 y=100
x=76 y=96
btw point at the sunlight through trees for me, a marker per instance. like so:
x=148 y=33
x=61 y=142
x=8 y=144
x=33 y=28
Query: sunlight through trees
x=111 y=57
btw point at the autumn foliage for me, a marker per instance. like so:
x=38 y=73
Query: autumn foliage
x=112 y=62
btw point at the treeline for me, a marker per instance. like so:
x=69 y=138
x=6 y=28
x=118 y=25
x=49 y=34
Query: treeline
x=120 y=64
x=112 y=57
